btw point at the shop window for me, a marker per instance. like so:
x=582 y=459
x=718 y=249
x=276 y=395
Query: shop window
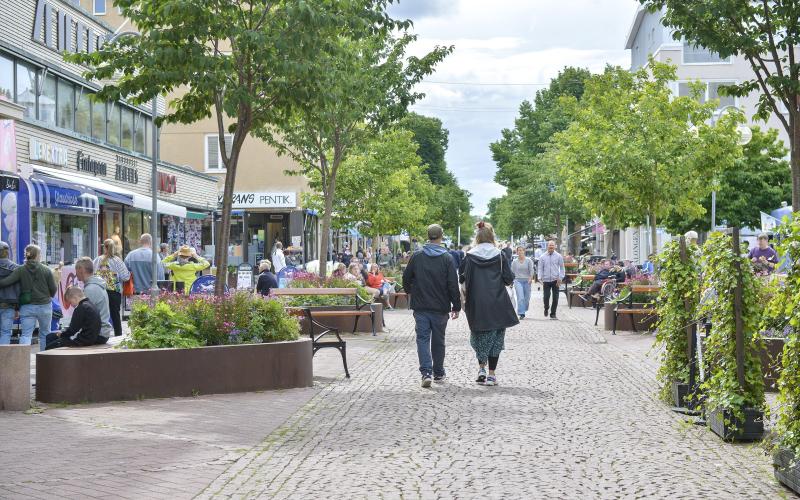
x=47 y=101
x=26 y=89
x=83 y=113
x=127 y=128
x=138 y=137
x=213 y=154
x=724 y=100
x=62 y=238
x=113 y=123
x=66 y=105
x=133 y=229
x=6 y=78
x=99 y=120
x=112 y=227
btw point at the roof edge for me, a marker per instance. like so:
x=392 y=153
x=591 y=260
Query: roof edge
x=634 y=29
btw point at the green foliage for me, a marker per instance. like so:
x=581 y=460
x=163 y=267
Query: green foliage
x=631 y=140
x=784 y=309
x=432 y=140
x=756 y=182
x=536 y=201
x=313 y=281
x=160 y=327
x=380 y=182
x=361 y=86
x=721 y=388
x=195 y=321
x=677 y=306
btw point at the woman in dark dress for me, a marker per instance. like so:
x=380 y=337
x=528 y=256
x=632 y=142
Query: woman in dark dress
x=266 y=278
x=486 y=276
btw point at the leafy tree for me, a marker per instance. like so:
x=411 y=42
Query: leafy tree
x=630 y=154
x=381 y=184
x=757 y=182
x=362 y=86
x=450 y=206
x=247 y=63
x=536 y=201
x=766 y=33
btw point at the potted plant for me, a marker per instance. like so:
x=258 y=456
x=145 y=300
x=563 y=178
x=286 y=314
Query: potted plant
x=733 y=406
x=677 y=306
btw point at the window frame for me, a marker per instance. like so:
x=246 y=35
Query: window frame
x=683 y=58
x=707 y=96
x=221 y=168
x=94 y=8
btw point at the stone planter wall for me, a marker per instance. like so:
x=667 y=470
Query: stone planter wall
x=15 y=377
x=103 y=373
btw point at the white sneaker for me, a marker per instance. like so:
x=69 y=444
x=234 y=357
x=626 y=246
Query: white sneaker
x=426 y=381
x=491 y=380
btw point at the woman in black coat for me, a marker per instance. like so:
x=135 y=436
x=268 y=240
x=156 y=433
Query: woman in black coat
x=485 y=274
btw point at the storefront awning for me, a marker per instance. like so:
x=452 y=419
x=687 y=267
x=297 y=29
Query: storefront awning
x=55 y=195
x=113 y=193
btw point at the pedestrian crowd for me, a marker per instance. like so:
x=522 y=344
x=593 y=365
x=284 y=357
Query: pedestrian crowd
x=28 y=291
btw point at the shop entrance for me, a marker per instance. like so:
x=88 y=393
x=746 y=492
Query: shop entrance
x=263 y=231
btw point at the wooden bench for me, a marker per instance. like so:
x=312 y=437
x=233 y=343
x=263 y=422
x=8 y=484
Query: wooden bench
x=311 y=316
x=628 y=309
x=576 y=291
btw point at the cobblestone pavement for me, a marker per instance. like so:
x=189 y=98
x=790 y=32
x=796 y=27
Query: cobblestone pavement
x=575 y=416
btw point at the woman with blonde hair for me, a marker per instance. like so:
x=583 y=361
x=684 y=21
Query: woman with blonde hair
x=485 y=274
x=110 y=267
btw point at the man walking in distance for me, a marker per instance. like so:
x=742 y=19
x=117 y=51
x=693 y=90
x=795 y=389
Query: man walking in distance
x=551 y=274
x=430 y=278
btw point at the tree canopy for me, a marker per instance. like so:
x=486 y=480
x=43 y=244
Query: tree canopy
x=635 y=151
x=766 y=33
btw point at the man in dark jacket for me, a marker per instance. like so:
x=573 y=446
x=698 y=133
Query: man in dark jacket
x=9 y=296
x=431 y=279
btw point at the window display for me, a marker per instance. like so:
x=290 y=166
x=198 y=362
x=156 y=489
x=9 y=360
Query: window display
x=62 y=238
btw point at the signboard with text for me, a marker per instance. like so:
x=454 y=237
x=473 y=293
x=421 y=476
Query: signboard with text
x=263 y=200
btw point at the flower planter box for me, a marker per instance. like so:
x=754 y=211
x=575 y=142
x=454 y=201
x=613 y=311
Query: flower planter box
x=402 y=301
x=771 y=362
x=787 y=469
x=724 y=425
x=346 y=324
x=103 y=373
x=644 y=323
x=575 y=301
x=680 y=394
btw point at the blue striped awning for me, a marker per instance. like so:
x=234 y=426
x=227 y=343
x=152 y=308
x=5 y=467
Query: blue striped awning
x=62 y=196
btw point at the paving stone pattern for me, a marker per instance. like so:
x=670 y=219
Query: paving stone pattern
x=574 y=417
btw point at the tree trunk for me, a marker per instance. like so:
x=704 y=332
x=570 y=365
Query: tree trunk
x=795 y=160
x=609 y=241
x=559 y=230
x=224 y=227
x=653 y=233
x=326 y=225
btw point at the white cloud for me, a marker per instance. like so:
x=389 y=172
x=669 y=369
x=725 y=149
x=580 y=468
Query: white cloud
x=506 y=41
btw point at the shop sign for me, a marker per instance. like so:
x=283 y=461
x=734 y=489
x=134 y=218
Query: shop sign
x=72 y=35
x=47 y=152
x=9 y=183
x=167 y=183
x=86 y=163
x=126 y=170
x=263 y=200
x=244 y=277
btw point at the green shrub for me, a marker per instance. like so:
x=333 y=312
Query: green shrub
x=160 y=327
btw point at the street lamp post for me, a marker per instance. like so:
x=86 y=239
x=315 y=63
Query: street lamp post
x=153 y=183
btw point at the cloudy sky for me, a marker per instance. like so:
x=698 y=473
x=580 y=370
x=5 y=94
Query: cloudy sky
x=511 y=42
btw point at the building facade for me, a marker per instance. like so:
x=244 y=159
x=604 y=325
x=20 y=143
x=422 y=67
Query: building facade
x=267 y=202
x=78 y=171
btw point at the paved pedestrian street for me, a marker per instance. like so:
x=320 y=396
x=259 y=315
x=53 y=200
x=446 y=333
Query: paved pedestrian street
x=574 y=416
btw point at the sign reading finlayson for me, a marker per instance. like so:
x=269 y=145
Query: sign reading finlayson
x=263 y=200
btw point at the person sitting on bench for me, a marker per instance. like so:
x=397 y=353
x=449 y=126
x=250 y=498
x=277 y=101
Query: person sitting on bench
x=84 y=328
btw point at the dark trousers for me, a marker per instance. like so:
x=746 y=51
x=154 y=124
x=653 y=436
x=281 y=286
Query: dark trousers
x=550 y=288
x=430 y=329
x=54 y=341
x=115 y=306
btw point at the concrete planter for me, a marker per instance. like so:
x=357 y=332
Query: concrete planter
x=771 y=362
x=75 y=375
x=403 y=301
x=15 y=377
x=787 y=470
x=625 y=323
x=346 y=324
x=729 y=428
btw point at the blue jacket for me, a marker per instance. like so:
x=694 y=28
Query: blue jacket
x=139 y=263
x=9 y=294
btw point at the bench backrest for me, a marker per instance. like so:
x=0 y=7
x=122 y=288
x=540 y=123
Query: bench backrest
x=313 y=291
x=645 y=288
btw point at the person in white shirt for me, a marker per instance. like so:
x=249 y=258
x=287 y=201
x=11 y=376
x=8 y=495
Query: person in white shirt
x=278 y=259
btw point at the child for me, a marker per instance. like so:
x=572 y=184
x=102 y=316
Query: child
x=84 y=328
